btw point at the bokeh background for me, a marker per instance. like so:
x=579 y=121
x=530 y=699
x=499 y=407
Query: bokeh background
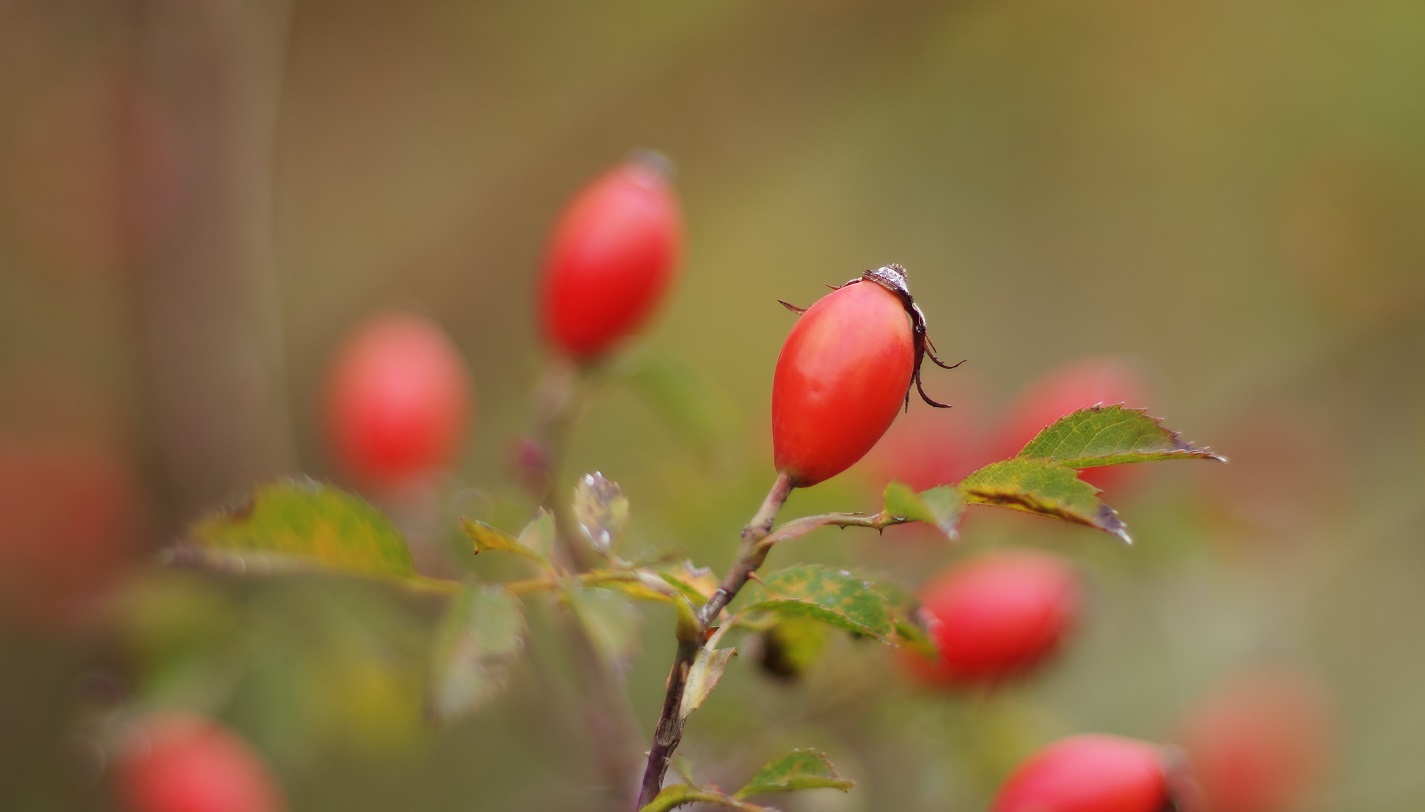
x=199 y=199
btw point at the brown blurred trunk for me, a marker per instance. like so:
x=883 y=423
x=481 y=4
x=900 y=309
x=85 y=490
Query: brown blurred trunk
x=208 y=300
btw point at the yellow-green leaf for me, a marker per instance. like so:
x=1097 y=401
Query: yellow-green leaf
x=799 y=769
x=940 y=507
x=1041 y=486
x=492 y=539
x=1110 y=435
x=831 y=596
x=303 y=521
x=481 y=635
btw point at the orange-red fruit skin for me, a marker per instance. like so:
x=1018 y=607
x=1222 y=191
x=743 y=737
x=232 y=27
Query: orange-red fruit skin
x=398 y=401
x=613 y=253
x=997 y=616
x=185 y=763
x=841 y=378
x=1088 y=772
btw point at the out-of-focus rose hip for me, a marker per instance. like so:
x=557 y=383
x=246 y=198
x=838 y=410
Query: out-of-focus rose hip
x=72 y=516
x=613 y=254
x=176 y=762
x=997 y=616
x=1089 y=772
x=1260 y=742
x=398 y=401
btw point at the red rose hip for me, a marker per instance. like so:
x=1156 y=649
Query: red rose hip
x=1260 y=742
x=1089 y=772
x=186 y=763
x=844 y=372
x=997 y=616
x=398 y=399
x=612 y=255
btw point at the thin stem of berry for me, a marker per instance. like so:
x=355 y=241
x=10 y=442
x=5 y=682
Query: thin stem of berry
x=751 y=553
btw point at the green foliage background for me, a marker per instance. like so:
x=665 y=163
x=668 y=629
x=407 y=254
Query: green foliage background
x=1230 y=193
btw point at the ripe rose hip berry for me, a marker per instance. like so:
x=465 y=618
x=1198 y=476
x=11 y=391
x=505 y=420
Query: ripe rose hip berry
x=1259 y=742
x=398 y=400
x=1089 y=773
x=997 y=616
x=613 y=253
x=845 y=371
x=1066 y=389
x=72 y=516
x=186 y=763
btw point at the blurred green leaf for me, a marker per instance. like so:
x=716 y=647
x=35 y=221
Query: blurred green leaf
x=799 y=769
x=703 y=678
x=1041 y=486
x=1110 y=435
x=828 y=595
x=609 y=618
x=539 y=535
x=792 y=646
x=481 y=634
x=940 y=507
x=302 y=521
x=675 y=392
x=600 y=510
x=492 y=539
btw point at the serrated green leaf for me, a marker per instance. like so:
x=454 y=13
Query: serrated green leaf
x=799 y=769
x=610 y=619
x=480 y=636
x=1110 y=435
x=539 y=535
x=492 y=539
x=600 y=510
x=303 y=520
x=703 y=676
x=828 y=595
x=940 y=507
x=1041 y=486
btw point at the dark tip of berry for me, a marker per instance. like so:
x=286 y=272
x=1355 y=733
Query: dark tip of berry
x=891 y=277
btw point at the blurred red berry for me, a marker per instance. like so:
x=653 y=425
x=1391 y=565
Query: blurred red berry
x=398 y=402
x=185 y=763
x=613 y=253
x=1260 y=742
x=997 y=616
x=1067 y=389
x=1089 y=772
x=72 y=516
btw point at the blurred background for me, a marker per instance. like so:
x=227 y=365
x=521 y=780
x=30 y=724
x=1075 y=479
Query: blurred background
x=199 y=200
